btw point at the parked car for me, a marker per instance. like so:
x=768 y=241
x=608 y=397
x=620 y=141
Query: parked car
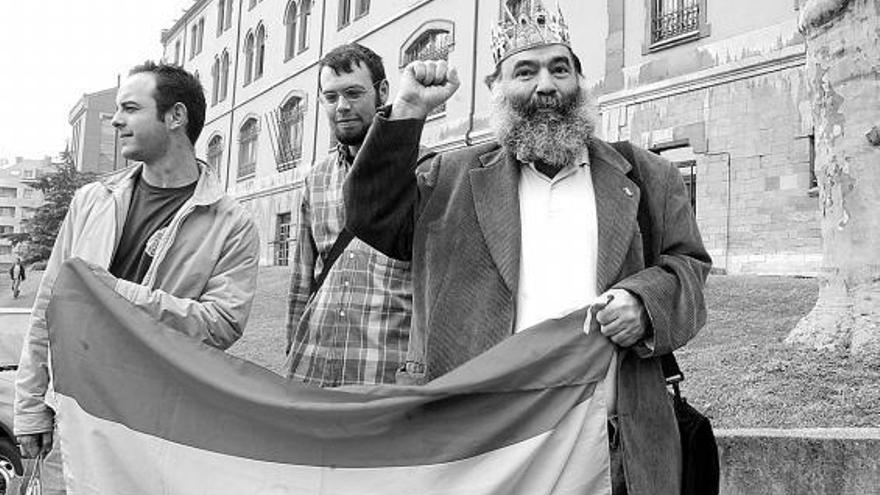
x=13 y=323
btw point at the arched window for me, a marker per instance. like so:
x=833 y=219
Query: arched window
x=248 y=58
x=290 y=24
x=289 y=119
x=305 y=11
x=362 y=8
x=224 y=75
x=261 y=51
x=221 y=16
x=344 y=13
x=201 y=34
x=194 y=41
x=433 y=43
x=247 y=147
x=228 y=20
x=215 y=152
x=215 y=80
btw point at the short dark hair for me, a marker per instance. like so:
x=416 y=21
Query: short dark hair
x=173 y=85
x=344 y=57
x=491 y=78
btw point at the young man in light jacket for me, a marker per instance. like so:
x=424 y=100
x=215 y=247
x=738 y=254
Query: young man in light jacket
x=175 y=243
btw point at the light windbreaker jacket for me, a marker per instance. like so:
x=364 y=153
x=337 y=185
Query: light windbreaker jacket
x=201 y=281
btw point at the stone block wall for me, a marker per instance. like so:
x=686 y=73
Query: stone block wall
x=751 y=137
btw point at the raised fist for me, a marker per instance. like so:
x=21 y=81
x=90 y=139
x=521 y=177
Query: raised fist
x=424 y=85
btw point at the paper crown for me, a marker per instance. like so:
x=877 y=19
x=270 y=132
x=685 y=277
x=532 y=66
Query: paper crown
x=534 y=26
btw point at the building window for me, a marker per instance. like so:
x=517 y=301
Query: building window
x=224 y=75
x=193 y=45
x=305 y=11
x=221 y=15
x=6 y=229
x=344 y=13
x=201 y=34
x=688 y=170
x=32 y=173
x=7 y=211
x=27 y=193
x=8 y=192
x=197 y=38
x=177 y=52
x=215 y=152
x=260 y=52
x=676 y=20
x=286 y=124
x=248 y=58
x=431 y=42
x=228 y=20
x=247 y=148
x=290 y=18
x=362 y=8
x=282 y=239
x=215 y=81
x=297 y=21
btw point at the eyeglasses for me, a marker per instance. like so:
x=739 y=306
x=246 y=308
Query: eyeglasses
x=351 y=94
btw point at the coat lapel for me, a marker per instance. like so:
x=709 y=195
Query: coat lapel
x=617 y=203
x=495 y=187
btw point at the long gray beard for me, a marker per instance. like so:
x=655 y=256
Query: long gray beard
x=555 y=138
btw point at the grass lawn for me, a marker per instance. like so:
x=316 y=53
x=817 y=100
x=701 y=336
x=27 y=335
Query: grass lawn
x=738 y=370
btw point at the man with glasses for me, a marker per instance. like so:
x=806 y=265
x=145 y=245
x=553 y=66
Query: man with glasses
x=349 y=325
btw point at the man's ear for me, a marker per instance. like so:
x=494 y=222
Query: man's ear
x=177 y=116
x=382 y=93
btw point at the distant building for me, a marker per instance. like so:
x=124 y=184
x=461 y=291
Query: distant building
x=93 y=141
x=18 y=200
x=720 y=88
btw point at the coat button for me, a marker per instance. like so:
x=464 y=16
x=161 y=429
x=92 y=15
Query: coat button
x=628 y=191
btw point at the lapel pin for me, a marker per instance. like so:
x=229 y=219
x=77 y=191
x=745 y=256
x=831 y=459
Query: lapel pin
x=628 y=191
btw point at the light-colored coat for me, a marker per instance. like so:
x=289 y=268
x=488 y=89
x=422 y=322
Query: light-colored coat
x=201 y=281
x=457 y=217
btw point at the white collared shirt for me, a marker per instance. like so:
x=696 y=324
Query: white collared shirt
x=557 y=271
x=560 y=245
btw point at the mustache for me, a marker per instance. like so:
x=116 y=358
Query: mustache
x=529 y=107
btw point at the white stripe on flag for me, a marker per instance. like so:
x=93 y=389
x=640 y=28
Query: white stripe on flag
x=105 y=457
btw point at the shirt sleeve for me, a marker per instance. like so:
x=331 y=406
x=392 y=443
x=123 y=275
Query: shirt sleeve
x=302 y=278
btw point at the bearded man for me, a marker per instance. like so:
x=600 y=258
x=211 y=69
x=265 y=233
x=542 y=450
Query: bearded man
x=505 y=235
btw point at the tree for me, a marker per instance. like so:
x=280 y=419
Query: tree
x=843 y=54
x=57 y=188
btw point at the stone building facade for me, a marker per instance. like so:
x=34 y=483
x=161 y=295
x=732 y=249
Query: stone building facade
x=258 y=62
x=710 y=84
x=721 y=88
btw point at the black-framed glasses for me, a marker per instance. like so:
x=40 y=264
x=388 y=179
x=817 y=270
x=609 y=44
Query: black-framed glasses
x=352 y=94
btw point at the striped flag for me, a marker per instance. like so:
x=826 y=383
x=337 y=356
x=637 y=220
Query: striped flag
x=143 y=409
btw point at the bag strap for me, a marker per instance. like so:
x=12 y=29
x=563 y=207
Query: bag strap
x=671 y=371
x=339 y=246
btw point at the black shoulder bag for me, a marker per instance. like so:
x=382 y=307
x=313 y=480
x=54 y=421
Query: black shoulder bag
x=700 y=467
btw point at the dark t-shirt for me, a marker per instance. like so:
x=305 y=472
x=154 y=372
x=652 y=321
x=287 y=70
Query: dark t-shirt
x=149 y=214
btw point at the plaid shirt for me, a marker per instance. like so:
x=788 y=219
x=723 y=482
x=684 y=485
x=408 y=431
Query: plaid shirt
x=355 y=329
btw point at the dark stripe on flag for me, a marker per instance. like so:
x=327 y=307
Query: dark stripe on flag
x=121 y=365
